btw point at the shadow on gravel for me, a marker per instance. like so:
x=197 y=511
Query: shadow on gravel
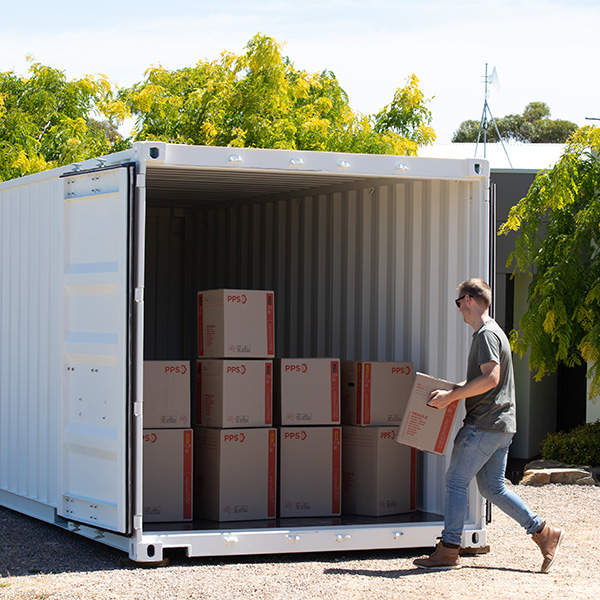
x=29 y=547
x=395 y=574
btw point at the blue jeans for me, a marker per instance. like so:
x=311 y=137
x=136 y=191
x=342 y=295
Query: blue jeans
x=481 y=454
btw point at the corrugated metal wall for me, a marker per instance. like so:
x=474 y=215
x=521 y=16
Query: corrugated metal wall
x=365 y=274
x=359 y=274
x=31 y=266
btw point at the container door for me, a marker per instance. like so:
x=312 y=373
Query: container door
x=94 y=474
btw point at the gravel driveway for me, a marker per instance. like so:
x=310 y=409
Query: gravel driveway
x=40 y=561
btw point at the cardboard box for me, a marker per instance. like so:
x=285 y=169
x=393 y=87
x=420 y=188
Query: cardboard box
x=375 y=393
x=167 y=472
x=167 y=397
x=378 y=475
x=235 y=474
x=307 y=391
x=236 y=324
x=310 y=463
x=422 y=426
x=234 y=393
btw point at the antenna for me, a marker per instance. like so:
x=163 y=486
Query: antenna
x=484 y=124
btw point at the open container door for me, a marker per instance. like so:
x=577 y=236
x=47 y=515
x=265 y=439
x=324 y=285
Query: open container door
x=94 y=486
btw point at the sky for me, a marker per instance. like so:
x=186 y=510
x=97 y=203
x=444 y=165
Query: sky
x=542 y=50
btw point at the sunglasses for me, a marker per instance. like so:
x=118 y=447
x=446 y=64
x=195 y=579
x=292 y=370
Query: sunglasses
x=457 y=301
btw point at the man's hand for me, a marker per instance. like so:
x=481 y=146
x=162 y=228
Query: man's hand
x=442 y=398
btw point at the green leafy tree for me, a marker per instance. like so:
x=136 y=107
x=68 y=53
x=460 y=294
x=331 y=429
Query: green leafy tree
x=47 y=121
x=259 y=99
x=534 y=126
x=558 y=244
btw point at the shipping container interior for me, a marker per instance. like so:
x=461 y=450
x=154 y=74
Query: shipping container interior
x=362 y=268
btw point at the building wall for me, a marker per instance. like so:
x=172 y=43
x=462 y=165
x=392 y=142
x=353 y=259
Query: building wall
x=540 y=407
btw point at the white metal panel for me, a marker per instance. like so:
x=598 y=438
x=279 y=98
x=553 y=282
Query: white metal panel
x=94 y=471
x=309 y=538
x=30 y=337
x=295 y=164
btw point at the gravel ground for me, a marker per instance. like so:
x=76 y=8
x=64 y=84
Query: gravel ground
x=40 y=561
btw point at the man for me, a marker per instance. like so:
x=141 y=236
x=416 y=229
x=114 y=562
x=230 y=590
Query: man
x=481 y=445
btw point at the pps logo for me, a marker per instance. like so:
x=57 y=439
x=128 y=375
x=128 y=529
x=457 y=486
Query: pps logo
x=296 y=368
x=236 y=369
x=176 y=370
x=237 y=299
x=233 y=438
x=295 y=435
x=404 y=370
x=388 y=435
x=150 y=438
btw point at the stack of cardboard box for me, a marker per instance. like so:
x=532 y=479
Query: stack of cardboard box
x=307 y=408
x=168 y=455
x=309 y=466
x=379 y=475
x=235 y=444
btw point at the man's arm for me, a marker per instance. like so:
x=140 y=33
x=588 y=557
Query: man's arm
x=488 y=380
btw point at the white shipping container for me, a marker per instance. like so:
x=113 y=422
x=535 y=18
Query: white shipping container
x=100 y=264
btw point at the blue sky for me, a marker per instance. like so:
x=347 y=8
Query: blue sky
x=542 y=50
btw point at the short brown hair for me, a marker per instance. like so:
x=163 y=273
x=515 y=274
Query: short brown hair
x=478 y=289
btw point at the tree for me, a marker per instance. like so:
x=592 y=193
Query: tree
x=47 y=121
x=562 y=321
x=259 y=99
x=534 y=126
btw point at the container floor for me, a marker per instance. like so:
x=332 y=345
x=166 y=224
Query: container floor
x=309 y=522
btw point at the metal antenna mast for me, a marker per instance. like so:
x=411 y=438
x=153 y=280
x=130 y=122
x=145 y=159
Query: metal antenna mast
x=484 y=124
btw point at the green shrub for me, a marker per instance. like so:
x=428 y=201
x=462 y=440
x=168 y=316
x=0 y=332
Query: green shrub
x=580 y=446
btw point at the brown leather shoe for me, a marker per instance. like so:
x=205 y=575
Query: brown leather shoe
x=442 y=559
x=548 y=539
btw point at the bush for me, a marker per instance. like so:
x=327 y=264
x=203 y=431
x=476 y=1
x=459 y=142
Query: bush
x=580 y=446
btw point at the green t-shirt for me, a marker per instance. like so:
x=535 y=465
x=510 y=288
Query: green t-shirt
x=495 y=410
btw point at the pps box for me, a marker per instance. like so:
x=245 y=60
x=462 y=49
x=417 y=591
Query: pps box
x=168 y=468
x=236 y=324
x=310 y=469
x=379 y=477
x=424 y=427
x=235 y=477
x=375 y=393
x=167 y=397
x=307 y=391
x=234 y=393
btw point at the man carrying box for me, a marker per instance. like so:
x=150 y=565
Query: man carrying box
x=481 y=445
